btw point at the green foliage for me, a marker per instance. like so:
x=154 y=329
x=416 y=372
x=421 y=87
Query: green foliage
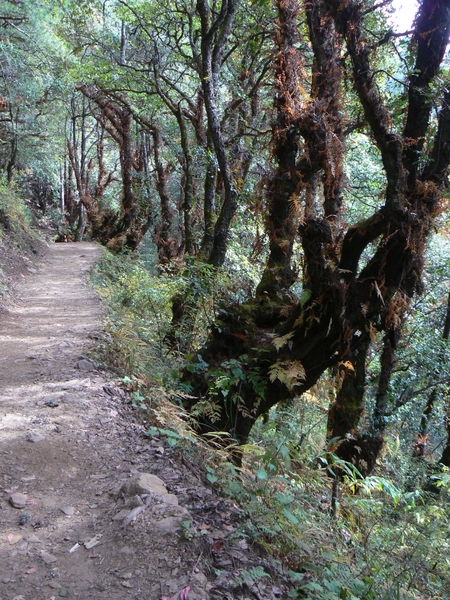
x=32 y=83
x=227 y=381
x=250 y=576
x=384 y=543
x=18 y=239
x=139 y=306
x=14 y=208
x=365 y=187
x=173 y=437
x=422 y=366
x=387 y=539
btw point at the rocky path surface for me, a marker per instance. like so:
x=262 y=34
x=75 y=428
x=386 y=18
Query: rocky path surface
x=89 y=507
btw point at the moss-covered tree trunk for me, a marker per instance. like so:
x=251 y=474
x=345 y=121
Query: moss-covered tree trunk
x=169 y=247
x=283 y=346
x=126 y=229
x=283 y=190
x=84 y=208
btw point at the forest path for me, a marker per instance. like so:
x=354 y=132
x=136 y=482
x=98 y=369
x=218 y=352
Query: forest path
x=67 y=444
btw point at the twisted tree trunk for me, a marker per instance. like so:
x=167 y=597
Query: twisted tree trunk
x=344 y=304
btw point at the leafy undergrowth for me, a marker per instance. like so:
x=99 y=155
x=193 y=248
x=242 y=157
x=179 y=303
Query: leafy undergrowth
x=19 y=242
x=356 y=540
x=382 y=538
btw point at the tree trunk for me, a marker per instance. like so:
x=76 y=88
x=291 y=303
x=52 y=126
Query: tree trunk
x=282 y=216
x=168 y=246
x=283 y=349
x=188 y=185
x=209 y=206
x=445 y=458
x=127 y=229
x=82 y=221
x=215 y=35
x=62 y=190
x=14 y=145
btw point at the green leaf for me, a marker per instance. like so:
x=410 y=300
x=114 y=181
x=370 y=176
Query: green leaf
x=262 y=474
x=305 y=296
x=284 y=499
x=286 y=456
x=290 y=516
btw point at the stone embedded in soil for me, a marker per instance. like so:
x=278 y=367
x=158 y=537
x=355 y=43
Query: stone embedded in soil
x=93 y=541
x=85 y=365
x=34 y=436
x=68 y=510
x=170 y=499
x=170 y=525
x=54 y=585
x=144 y=483
x=14 y=538
x=52 y=403
x=18 y=500
x=48 y=558
x=134 y=502
x=121 y=515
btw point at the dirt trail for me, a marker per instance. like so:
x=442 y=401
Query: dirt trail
x=66 y=447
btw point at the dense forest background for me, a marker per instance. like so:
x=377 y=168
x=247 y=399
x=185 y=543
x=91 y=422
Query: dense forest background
x=270 y=181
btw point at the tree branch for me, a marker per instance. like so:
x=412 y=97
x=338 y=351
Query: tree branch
x=431 y=35
x=349 y=22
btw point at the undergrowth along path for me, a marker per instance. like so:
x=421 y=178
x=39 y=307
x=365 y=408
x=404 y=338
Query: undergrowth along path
x=68 y=525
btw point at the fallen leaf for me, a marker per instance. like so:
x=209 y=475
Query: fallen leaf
x=13 y=538
x=32 y=570
x=93 y=541
x=184 y=593
x=347 y=365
